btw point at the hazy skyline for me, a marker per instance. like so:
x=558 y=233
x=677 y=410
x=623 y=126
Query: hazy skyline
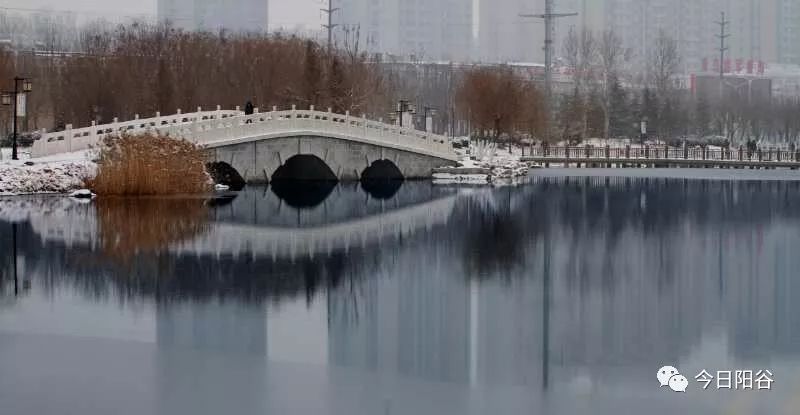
x=282 y=13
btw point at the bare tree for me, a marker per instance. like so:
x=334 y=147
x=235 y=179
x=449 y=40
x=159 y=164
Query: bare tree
x=581 y=54
x=6 y=73
x=612 y=56
x=663 y=63
x=499 y=103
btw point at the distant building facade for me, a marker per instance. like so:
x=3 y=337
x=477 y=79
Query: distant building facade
x=214 y=15
x=432 y=30
x=504 y=36
x=447 y=30
x=788 y=31
x=689 y=22
x=757 y=30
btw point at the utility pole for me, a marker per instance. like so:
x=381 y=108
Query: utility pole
x=723 y=35
x=330 y=26
x=549 y=17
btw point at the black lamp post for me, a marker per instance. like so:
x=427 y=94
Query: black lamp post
x=12 y=98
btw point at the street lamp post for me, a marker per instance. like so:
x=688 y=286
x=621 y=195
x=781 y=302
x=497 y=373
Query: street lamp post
x=12 y=98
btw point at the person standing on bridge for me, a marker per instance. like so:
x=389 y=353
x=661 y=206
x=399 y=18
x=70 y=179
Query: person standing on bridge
x=249 y=110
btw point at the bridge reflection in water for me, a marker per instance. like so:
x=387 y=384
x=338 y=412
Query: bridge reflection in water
x=561 y=296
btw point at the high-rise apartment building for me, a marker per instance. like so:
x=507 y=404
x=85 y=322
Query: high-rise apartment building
x=504 y=36
x=788 y=31
x=757 y=30
x=213 y=15
x=689 y=22
x=411 y=29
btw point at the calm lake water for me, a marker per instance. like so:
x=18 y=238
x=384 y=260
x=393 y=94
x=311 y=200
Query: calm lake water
x=561 y=296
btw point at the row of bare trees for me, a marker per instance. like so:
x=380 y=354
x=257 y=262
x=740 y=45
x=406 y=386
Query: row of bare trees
x=144 y=68
x=602 y=102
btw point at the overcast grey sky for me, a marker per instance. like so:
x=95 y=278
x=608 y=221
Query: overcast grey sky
x=283 y=13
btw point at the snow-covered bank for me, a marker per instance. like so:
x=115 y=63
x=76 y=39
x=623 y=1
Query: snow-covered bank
x=57 y=174
x=485 y=164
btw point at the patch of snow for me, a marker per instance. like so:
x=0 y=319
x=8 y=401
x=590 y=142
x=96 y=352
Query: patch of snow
x=83 y=194
x=448 y=178
x=23 y=153
x=55 y=174
x=504 y=165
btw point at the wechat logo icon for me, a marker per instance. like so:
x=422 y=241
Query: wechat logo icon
x=670 y=376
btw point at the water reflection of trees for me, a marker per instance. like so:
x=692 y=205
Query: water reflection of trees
x=129 y=226
x=653 y=205
x=136 y=251
x=493 y=243
x=498 y=233
x=620 y=279
x=165 y=277
x=640 y=269
x=606 y=237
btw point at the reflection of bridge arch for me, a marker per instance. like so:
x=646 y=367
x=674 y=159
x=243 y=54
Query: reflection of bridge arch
x=74 y=224
x=238 y=240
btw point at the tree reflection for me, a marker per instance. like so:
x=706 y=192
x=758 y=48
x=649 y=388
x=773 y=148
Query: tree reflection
x=129 y=226
x=493 y=241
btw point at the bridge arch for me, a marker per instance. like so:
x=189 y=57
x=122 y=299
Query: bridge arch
x=304 y=167
x=382 y=170
x=223 y=173
x=304 y=181
x=382 y=179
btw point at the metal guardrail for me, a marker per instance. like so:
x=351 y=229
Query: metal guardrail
x=666 y=153
x=219 y=128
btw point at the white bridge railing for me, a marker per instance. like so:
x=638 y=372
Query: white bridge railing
x=79 y=139
x=220 y=128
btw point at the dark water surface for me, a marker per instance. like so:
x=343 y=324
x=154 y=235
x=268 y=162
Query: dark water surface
x=561 y=296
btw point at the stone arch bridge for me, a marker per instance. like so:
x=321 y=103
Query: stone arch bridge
x=306 y=144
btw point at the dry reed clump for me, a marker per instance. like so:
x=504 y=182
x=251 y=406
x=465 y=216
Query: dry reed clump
x=130 y=226
x=149 y=164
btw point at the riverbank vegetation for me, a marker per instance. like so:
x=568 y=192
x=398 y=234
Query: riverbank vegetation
x=149 y=164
